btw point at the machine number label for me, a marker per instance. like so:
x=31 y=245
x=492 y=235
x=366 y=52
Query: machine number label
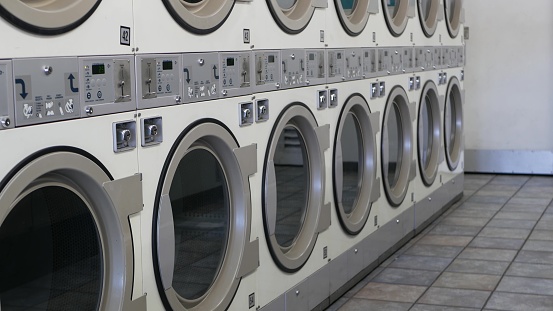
x=246 y=34
x=125 y=36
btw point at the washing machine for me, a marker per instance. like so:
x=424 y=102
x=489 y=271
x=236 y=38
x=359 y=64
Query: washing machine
x=397 y=26
x=70 y=189
x=293 y=214
x=174 y=26
x=429 y=147
x=431 y=18
x=46 y=28
x=288 y=24
x=451 y=31
x=397 y=172
x=197 y=160
x=452 y=168
x=347 y=22
x=353 y=188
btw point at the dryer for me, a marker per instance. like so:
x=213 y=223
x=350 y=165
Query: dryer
x=397 y=163
x=197 y=161
x=430 y=15
x=451 y=32
x=429 y=147
x=288 y=24
x=397 y=26
x=47 y=28
x=352 y=184
x=293 y=213
x=347 y=22
x=452 y=168
x=67 y=224
x=175 y=26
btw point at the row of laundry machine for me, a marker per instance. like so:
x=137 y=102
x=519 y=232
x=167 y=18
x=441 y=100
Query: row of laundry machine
x=220 y=155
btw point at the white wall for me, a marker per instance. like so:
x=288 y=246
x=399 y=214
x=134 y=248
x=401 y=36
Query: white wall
x=509 y=86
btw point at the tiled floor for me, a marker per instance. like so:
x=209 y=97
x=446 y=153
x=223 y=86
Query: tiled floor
x=493 y=250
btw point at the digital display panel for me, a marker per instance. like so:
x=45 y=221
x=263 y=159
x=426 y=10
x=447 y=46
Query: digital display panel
x=230 y=61
x=167 y=65
x=98 y=69
x=271 y=59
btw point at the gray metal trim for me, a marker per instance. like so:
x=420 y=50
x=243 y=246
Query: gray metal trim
x=250 y=259
x=119 y=192
x=412 y=8
x=319 y=3
x=166 y=241
x=319 y=286
x=323 y=134
x=247 y=159
x=338 y=272
x=270 y=198
x=375 y=122
x=7 y=97
x=441 y=12
x=278 y=304
x=373 y=7
x=324 y=218
x=375 y=192
x=539 y=162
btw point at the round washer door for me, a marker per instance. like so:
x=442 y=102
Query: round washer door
x=453 y=124
x=355 y=164
x=47 y=17
x=293 y=188
x=429 y=133
x=66 y=244
x=395 y=14
x=292 y=16
x=428 y=15
x=453 y=9
x=353 y=15
x=199 y=16
x=397 y=146
x=202 y=219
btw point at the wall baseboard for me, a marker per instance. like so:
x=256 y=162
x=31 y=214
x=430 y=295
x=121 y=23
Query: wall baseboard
x=538 y=162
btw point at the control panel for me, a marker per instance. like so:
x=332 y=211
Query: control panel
x=235 y=75
x=159 y=80
x=315 y=67
x=436 y=57
x=336 y=65
x=369 y=63
x=408 y=59
x=107 y=84
x=6 y=96
x=293 y=68
x=384 y=61
x=461 y=56
x=46 y=90
x=424 y=58
x=397 y=60
x=267 y=70
x=201 y=76
x=354 y=64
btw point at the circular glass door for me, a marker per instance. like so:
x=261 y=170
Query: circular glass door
x=428 y=15
x=293 y=188
x=453 y=10
x=429 y=133
x=353 y=15
x=47 y=17
x=199 y=16
x=354 y=164
x=395 y=14
x=292 y=16
x=397 y=146
x=62 y=239
x=202 y=221
x=453 y=124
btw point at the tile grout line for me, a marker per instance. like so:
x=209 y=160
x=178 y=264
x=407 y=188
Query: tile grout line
x=464 y=248
x=519 y=250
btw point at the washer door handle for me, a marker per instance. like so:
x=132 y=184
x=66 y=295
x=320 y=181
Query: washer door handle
x=166 y=241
